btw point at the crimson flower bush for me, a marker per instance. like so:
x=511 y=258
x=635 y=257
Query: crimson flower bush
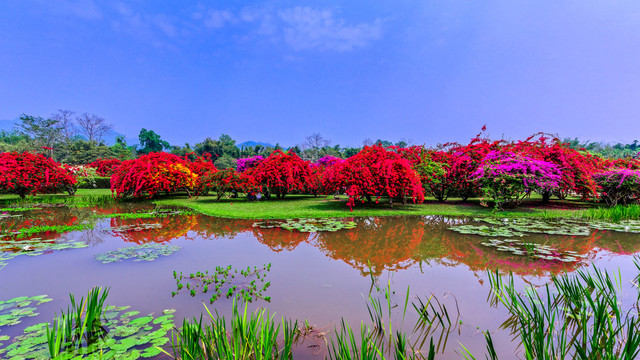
x=203 y=167
x=29 y=174
x=619 y=186
x=327 y=160
x=507 y=178
x=105 y=167
x=282 y=173
x=152 y=173
x=229 y=182
x=374 y=172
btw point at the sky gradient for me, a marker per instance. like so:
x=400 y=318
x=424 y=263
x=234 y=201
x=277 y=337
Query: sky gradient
x=276 y=71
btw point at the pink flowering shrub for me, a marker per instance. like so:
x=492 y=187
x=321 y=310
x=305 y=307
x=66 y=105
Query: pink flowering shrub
x=328 y=160
x=619 y=186
x=507 y=178
x=248 y=163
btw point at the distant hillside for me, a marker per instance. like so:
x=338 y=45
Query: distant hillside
x=253 y=144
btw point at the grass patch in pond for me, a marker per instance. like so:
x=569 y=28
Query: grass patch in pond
x=134 y=227
x=10 y=249
x=10 y=209
x=307 y=225
x=227 y=282
x=117 y=333
x=45 y=228
x=147 y=215
x=144 y=252
x=615 y=214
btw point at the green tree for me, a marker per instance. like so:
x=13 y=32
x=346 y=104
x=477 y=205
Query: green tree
x=151 y=142
x=41 y=132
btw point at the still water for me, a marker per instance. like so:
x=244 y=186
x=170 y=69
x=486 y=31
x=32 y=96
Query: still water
x=321 y=277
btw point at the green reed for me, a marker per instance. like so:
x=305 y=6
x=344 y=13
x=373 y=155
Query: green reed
x=80 y=323
x=615 y=214
x=250 y=336
x=582 y=318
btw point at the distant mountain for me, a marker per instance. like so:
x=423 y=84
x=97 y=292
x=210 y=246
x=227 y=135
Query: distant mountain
x=253 y=144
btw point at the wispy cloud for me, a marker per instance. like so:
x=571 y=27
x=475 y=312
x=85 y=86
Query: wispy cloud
x=218 y=18
x=310 y=29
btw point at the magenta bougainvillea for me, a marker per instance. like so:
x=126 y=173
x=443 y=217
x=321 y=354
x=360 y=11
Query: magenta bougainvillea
x=245 y=164
x=507 y=178
x=619 y=186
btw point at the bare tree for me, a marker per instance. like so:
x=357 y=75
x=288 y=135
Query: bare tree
x=367 y=142
x=93 y=126
x=66 y=121
x=312 y=146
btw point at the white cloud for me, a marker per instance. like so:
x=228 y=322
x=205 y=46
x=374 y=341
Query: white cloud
x=218 y=18
x=305 y=28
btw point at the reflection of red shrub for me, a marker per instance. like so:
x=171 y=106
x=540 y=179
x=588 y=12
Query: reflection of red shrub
x=173 y=227
x=43 y=217
x=280 y=239
x=105 y=167
x=378 y=243
x=29 y=174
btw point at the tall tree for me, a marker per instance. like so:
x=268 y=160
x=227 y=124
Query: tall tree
x=42 y=132
x=93 y=126
x=66 y=121
x=151 y=142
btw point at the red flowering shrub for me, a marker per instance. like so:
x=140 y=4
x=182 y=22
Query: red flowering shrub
x=619 y=186
x=29 y=174
x=105 y=167
x=228 y=181
x=203 y=167
x=282 y=173
x=152 y=173
x=374 y=172
x=248 y=163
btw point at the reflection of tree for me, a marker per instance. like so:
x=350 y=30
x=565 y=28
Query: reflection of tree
x=221 y=227
x=172 y=227
x=375 y=244
x=278 y=239
x=44 y=217
x=450 y=248
x=617 y=242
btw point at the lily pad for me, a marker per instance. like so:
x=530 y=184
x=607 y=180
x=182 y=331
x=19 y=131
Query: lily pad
x=134 y=227
x=10 y=249
x=144 y=252
x=307 y=225
x=534 y=250
x=13 y=311
x=126 y=338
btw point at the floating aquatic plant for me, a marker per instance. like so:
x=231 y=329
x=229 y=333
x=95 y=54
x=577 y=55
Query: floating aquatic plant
x=144 y=252
x=134 y=227
x=485 y=230
x=10 y=249
x=520 y=227
x=307 y=225
x=226 y=282
x=534 y=250
x=627 y=226
x=126 y=336
x=10 y=209
x=14 y=310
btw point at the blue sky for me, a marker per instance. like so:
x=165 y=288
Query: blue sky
x=276 y=71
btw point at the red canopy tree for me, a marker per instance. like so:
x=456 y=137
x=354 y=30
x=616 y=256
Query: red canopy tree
x=282 y=173
x=374 y=172
x=29 y=174
x=105 y=167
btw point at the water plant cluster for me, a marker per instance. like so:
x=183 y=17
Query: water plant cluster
x=10 y=249
x=227 y=282
x=91 y=329
x=26 y=231
x=143 y=252
x=307 y=225
x=134 y=227
x=533 y=250
x=12 y=311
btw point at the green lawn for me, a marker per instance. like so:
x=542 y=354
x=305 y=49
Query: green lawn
x=304 y=206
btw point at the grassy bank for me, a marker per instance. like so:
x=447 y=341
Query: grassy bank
x=304 y=206
x=301 y=206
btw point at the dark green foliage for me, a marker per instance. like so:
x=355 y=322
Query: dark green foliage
x=98 y=182
x=151 y=142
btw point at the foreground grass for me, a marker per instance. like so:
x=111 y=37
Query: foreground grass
x=302 y=206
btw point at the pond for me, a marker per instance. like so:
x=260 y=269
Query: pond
x=318 y=276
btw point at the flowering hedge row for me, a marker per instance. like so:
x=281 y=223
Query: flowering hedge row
x=502 y=172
